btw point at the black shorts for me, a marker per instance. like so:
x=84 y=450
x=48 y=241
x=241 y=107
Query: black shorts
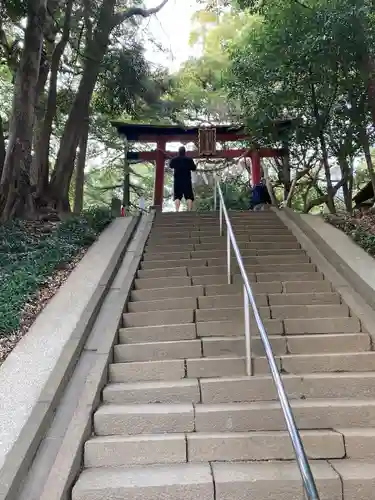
x=183 y=191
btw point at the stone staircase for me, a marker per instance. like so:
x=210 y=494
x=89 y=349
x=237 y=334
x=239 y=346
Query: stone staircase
x=179 y=418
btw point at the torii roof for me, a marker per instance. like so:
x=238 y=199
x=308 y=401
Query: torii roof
x=176 y=133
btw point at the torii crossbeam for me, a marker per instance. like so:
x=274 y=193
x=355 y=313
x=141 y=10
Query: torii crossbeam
x=206 y=138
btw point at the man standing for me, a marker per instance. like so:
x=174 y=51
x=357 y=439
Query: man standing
x=182 y=186
x=260 y=197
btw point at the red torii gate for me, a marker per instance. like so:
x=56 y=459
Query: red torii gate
x=205 y=138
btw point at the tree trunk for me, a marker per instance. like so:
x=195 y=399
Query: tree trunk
x=43 y=144
x=323 y=146
x=15 y=193
x=2 y=146
x=39 y=114
x=347 y=187
x=80 y=169
x=371 y=86
x=367 y=152
x=94 y=53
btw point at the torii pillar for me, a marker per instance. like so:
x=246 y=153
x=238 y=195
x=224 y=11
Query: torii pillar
x=255 y=168
x=159 y=175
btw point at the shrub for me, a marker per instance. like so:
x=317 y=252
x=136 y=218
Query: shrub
x=29 y=256
x=362 y=230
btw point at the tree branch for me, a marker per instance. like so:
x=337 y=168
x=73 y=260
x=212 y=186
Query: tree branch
x=137 y=11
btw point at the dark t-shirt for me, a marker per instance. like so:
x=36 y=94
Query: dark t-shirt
x=182 y=167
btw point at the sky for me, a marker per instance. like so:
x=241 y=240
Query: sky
x=171 y=28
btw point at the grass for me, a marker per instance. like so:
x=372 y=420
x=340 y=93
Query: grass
x=360 y=230
x=31 y=252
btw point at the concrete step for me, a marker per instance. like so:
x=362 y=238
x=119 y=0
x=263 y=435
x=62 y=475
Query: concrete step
x=155 y=318
x=222 y=270
x=162 y=304
x=154 y=242
x=310 y=414
x=170 y=248
x=288 y=299
x=262 y=260
x=176 y=281
x=254 y=229
x=171 y=261
x=167 y=293
x=227 y=314
x=213 y=232
x=117 y=451
x=266 y=416
x=315 y=363
x=221 y=367
x=321 y=325
x=273 y=481
x=221 y=279
x=281 y=299
x=302 y=344
x=254 y=238
x=270 y=252
x=170 y=391
x=236 y=328
x=237 y=288
x=165 y=482
x=245 y=245
x=228 y=301
x=272 y=287
x=288 y=276
x=166 y=333
x=309 y=311
x=259 y=446
x=147 y=370
x=275 y=312
x=162 y=273
x=250 y=269
x=181 y=254
x=328 y=343
x=359 y=443
x=175 y=369
x=300 y=326
x=122 y=420
x=353 y=385
x=231 y=364
x=357 y=476
x=150 y=351
x=168 y=263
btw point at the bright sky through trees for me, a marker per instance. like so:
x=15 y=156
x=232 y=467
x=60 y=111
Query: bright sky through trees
x=171 y=28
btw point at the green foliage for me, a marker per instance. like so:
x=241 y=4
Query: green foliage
x=28 y=257
x=236 y=196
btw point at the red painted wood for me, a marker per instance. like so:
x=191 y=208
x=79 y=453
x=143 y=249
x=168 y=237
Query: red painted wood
x=255 y=167
x=227 y=153
x=220 y=137
x=159 y=156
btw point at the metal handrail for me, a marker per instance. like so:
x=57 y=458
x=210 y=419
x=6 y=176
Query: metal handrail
x=303 y=463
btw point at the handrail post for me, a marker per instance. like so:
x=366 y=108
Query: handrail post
x=215 y=195
x=221 y=218
x=249 y=364
x=228 y=258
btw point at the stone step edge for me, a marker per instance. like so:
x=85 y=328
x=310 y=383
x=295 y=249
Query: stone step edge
x=338 y=478
x=151 y=446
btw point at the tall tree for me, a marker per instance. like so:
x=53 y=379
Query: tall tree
x=15 y=194
x=95 y=51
